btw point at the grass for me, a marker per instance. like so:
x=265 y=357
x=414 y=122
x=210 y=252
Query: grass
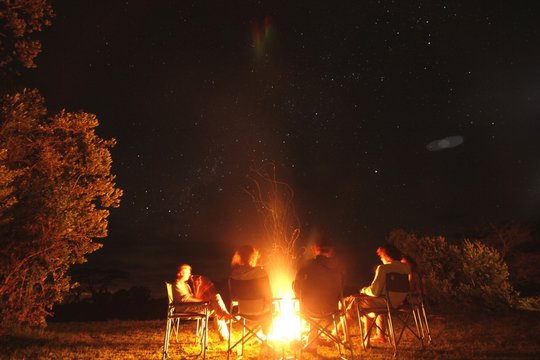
x=508 y=336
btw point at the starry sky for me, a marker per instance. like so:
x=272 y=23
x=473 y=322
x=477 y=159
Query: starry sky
x=422 y=115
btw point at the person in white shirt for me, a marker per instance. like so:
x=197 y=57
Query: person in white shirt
x=205 y=291
x=390 y=257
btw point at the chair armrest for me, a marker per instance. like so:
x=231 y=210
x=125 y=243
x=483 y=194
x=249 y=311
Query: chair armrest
x=190 y=303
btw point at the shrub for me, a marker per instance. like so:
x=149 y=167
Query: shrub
x=468 y=274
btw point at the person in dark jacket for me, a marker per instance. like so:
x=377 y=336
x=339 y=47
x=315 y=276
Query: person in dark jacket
x=252 y=285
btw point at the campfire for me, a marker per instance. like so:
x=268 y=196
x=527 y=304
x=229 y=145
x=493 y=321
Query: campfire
x=286 y=326
x=274 y=201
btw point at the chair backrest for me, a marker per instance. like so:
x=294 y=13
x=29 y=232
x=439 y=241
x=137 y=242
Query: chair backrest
x=252 y=295
x=168 y=285
x=397 y=288
x=319 y=289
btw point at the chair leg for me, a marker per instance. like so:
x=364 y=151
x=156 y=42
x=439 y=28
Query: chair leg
x=426 y=324
x=347 y=342
x=336 y=330
x=360 y=325
x=229 y=340
x=167 y=339
x=198 y=331
x=243 y=335
x=391 y=333
x=177 y=329
x=347 y=339
x=204 y=342
x=418 y=322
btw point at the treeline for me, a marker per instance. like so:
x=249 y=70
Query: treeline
x=133 y=304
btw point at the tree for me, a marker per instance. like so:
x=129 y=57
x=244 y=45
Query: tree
x=7 y=198
x=461 y=274
x=63 y=189
x=507 y=237
x=19 y=21
x=515 y=241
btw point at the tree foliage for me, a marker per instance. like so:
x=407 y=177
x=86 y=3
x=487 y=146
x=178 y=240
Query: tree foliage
x=506 y=237
x=56 y=176
x=7 y=198
x=515 y=242
x=20 y=20
x=466 y=274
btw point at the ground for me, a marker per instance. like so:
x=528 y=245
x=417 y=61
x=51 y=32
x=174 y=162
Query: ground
x=478 y=336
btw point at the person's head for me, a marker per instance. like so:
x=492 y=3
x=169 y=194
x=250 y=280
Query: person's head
x=324 y=247
x=388 y=253
x=245 y=255
x=184 y=272
x=406 y=259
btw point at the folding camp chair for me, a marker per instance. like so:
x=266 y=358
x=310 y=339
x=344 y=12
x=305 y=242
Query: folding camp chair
x=177 y=311
x=416 y=301
x=393 y=314
x=242 y=292
x=327 y=324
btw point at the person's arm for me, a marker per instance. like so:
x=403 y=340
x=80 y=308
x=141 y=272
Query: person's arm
x=185 y=293
x=376 y=287
x=203 y=287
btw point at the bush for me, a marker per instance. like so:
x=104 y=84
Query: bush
x=468 y=274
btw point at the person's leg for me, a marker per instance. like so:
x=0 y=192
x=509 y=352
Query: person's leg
x=380 y=329
x=367 y=324
x=221 y=316
x=370 y=320
x=217 y=304
x=349 y=303
x=222 y=327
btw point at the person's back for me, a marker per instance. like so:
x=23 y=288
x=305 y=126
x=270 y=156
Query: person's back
x=318 y=283
x=389 y=256
x=251 y=285
x=378 y=286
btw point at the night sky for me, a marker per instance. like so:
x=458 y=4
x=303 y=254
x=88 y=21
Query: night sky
x=422 y=115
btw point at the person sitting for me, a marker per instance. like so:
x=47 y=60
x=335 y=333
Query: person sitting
x=390 y=257
x=318 y=283
x=204 y=291
x=251 y=279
